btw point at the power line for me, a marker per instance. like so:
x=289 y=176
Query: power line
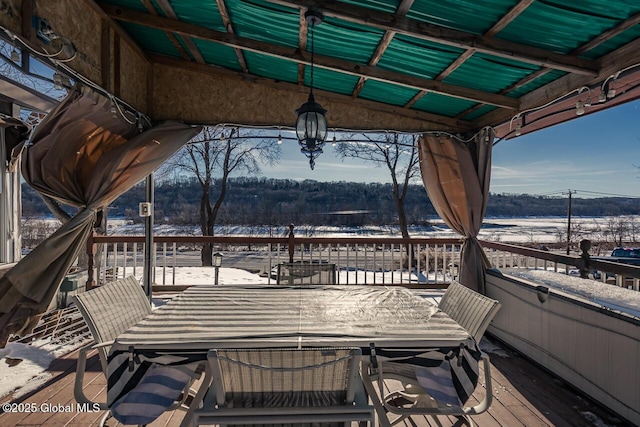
x=564 y=192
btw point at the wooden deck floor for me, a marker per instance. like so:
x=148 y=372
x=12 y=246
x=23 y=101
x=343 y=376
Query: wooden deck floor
x=525 y=395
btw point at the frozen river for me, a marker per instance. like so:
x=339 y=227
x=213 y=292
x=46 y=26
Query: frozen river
x=506 y=230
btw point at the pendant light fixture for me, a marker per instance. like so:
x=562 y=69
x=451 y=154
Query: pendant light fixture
x=311 y=125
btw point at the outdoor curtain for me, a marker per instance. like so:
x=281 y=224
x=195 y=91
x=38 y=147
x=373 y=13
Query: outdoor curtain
x=85 y=156
x=456 y=176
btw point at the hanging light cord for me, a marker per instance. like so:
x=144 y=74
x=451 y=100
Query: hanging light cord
x=313 y=32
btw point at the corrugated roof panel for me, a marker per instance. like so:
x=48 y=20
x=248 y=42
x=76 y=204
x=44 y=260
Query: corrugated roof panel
x=563 y=26
x=387 y=93
x=204 y=13
x=268 y=66
x=489 y=73
x=472 y=16
x=341 y=39
x=539 y=82
x=330 y=80
x=150 y=39
x=614 y=43
x=218 y=54
x=417 y=57
x=442 y=104
x=389 y=6
x=265 y=21
x=479 y=112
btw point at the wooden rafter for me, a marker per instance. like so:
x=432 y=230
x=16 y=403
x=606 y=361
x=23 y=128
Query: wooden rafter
x=495 y=29
x=453 y=124
x=402 y=10
x=447 y=36
x=226 y=20
x=331 y=63
x=167 y=9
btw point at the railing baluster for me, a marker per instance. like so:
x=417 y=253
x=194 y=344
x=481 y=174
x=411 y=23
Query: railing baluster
x=135 y=257
x=124 y=260
x=175 y=262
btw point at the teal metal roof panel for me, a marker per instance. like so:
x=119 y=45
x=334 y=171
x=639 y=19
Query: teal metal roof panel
x=479 y=112
x=489 y=73
x=539 y=82
x=613 y=43
x=151 y=40
x=274 y=68
x=218 y=54
x=472 y=16
x=204 y=13
x=387 y=93
x=342 y=39
x=563 y=26
x=441 y=104
x=264 y=21
x=330 y=80
x=417 y=57
x=389 y=6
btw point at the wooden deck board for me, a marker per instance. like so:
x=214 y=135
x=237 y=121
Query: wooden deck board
x=524 y=395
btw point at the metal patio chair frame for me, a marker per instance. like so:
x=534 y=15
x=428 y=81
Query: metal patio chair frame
x=108 y=311
x=471 y=310
x=282 y=386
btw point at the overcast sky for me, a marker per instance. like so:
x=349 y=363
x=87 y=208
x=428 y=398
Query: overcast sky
x=597 y=153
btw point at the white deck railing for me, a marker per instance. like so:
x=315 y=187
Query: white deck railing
x=362 y=261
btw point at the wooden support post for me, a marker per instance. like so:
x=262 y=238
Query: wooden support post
x=291 y=242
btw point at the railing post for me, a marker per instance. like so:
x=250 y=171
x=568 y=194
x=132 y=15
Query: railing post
x=91 y=249
x=291 y=242
x=585 y=245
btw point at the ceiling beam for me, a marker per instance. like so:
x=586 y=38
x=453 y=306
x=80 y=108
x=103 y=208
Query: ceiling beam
x=402 y=10
x=454 y=125
x=330 y=63
x=224 y=14
x=447 y=36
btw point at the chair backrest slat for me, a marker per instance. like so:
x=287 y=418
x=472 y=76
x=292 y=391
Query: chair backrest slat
x=111 y=309
x=271 y=373
x=471 y=310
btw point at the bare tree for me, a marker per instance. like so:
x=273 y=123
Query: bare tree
x=212 y=157
x=399 y=153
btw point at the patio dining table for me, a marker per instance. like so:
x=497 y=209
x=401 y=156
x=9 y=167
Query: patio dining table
x=393 y=321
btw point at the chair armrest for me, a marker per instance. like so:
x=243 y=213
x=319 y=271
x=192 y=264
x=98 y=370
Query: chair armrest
x=443 y=410
x=78 y=392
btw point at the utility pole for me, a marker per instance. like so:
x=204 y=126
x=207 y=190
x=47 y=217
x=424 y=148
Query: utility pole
x=569 y=223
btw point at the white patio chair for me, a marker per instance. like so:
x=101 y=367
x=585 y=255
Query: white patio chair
x=108 y=311
x=283 y=386
x=431 y=391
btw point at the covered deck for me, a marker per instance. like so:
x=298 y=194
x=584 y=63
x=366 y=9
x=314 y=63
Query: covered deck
x=462 y=75
x=524 y=395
